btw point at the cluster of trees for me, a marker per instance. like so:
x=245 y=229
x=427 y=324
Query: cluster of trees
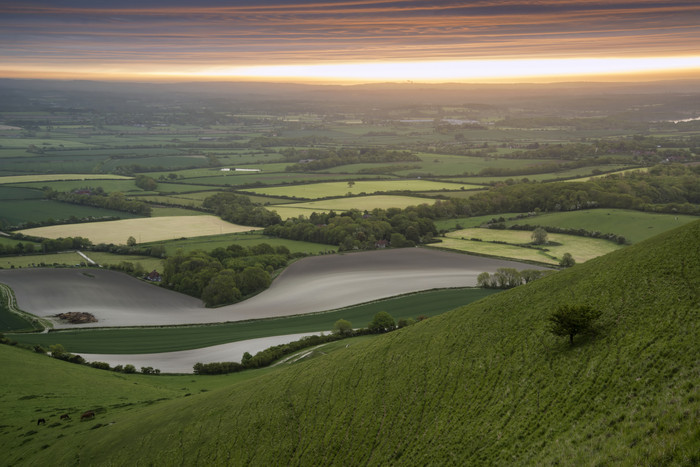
x=507 y=278
x=357 y=230
x=225 y=275
x=146 y=183
x=116 y=201
x=318 y=159
x=240 y=209
x=671 y=189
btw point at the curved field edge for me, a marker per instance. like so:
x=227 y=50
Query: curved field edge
x=12 y=318
x=484 y=384
x=140 y=340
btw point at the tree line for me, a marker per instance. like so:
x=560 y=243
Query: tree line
x=359 y=230
x=318 y=159
x=225 y=275
x=240 y=209
x=115 y=201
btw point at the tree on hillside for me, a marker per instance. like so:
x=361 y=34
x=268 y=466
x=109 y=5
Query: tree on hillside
x=570 y=320
x=539 y=236
x=342 y=327
x=131 y=241
x=567 y=260
x=382 y=322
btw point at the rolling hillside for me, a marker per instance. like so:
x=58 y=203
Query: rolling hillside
x=483 y=384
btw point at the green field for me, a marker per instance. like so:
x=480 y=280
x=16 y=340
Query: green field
x=109 y=186
x=109 y=259
x=247 y=239
x=326 y=190
x=18 y=212
x=64 y=259
x=362 y=203
x=57 y=177
x=149 y=340
x=635 y=226
x=581 y=248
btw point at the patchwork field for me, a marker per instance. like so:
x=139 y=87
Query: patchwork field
x=344 y=204
x=309 y=285
x=150 y=229
x=336 y=189
x=56 y=177
x=635 y=226
x=36 y=210
x=247 y=239
x=581 y=248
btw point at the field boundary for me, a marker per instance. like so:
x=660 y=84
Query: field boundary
x=8 y=296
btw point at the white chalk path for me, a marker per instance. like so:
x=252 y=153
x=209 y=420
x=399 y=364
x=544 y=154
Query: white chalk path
x=183 y=361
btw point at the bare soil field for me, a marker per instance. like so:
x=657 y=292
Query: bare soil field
x=310 y=285
x=148 y=229
x=184 y=360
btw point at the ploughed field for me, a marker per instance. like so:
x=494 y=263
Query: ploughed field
x=310 y=285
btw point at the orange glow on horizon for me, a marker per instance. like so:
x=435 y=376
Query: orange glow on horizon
x=456 y=71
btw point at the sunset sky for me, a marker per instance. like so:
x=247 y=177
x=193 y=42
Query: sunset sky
x=350 y=41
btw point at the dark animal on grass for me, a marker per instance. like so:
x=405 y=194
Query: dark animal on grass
x=41 y=421
x=87 y=415
x=65 y=416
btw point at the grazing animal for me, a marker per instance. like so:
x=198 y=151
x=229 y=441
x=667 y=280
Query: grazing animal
x=41 y=421
x=87 y=415
x=65 y=416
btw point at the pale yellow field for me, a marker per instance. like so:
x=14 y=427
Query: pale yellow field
x=581 y=248
x=362 y=203
x=323 y=190
x=56 y=177
x=149 y=229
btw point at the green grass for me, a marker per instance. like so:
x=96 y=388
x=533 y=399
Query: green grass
x=483 y=384
x=324 y=190
x=208 y=243
x=581 y=248
x=28 y=261
x=168 y=339
x=109 y=186
x=17 y=212
x=635 y=226
x=168 y=211
x=57 y=177
x=106 y=259
x=362 y=203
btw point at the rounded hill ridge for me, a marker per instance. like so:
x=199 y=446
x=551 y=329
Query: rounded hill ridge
x=483 y=384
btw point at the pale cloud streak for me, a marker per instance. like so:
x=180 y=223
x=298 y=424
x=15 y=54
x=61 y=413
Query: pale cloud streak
x=150 y=36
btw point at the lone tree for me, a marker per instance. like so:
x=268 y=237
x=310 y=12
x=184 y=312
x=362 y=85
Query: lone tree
x=342 y=327
x=569 y=320
x=131 y=241
x=567 y=260
x=382 y=322
x=539 y=236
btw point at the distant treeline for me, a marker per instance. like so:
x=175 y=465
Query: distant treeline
x=669 y=189
x=359 y=230
x=96 y=198
x=318 y=159
x=225 y=275
x=240 y=209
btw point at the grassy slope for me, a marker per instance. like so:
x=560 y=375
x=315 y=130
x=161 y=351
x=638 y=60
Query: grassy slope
x=482 y=384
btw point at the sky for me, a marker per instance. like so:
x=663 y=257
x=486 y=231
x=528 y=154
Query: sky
x=350 y=41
